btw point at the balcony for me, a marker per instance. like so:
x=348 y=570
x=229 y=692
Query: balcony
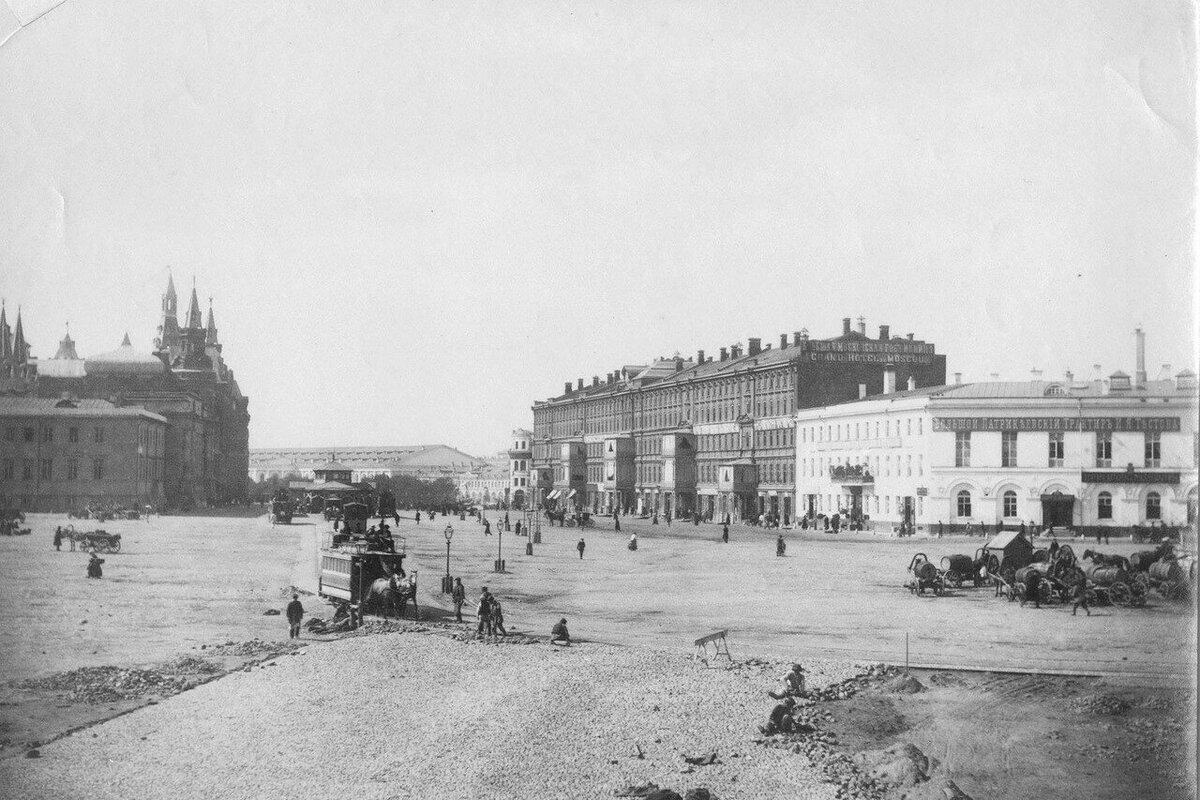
x=851 y=475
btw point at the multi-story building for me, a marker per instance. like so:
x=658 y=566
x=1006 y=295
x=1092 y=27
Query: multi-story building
x=708 y=435
x=185 y=380
x=1079 y=454
x=62 y=454
x=520 y=469
x=426 y=461
x=486 y=483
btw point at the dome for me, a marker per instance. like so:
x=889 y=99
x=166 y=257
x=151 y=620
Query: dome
x=124 y=361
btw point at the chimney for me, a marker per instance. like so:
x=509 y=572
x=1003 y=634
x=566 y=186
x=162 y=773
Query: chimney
x=1140 y=375
x=1069 y=377
x=912 y=383
x=678 y=363
x=908 y=336
x=797 y=339
x=884 y=332
x=567 y=387
x=783 y=341
x=862 y=391
x=862 y=325
x=735 y=350
x=1165 y=373
x=755 y=346
x=889 y=378
x=595 y=381
x=580 y=380
x=724 y=353
x=845 y=325
x=699 y=357
x=957 y=377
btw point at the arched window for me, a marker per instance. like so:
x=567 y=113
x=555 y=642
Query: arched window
x=1010 y=503
x=1104 y=506
x=1153 y=506
x=964 y=503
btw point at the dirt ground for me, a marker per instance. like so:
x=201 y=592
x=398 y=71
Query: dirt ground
x=181 y=585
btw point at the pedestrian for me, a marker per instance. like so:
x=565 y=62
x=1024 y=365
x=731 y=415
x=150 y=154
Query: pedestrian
x=487 y=528
x=93 y=567
x=559 y=633
x=460 y=597
x=1099 y=535
x=1106 y=535
x=668 y=516
x=616 y=523
x=780 y=546
x=632 y=542
x=1081 y=598
x=483 y=613
x=695 y=520
x=58 y=537
x=418 y=517
x=1053 y=549
x=580 y=547
x=1032 y=586
x=295 y=613
x=725 y=532
x=498 y=618
x=517 y=527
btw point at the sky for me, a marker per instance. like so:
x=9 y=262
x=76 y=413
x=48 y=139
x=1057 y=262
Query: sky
x=416 y=218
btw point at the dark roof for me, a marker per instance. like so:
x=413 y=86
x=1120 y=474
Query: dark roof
x=332 y=466
x=53 y=406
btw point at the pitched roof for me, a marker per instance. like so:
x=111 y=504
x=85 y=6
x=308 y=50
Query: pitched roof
x=52 y=406
x=332 y=466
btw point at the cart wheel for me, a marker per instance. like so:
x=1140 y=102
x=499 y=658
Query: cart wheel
x=1120 y=593
x=116 y=546
x=1137 y=594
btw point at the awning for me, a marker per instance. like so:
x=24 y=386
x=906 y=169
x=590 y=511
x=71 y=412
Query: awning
x=570 y=494
x=553 y=495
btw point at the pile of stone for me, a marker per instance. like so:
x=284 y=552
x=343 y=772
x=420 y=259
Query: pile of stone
x=254 y=647
x=190 y=665
x=1103 y=704
x=652 y=791
x=109 y=684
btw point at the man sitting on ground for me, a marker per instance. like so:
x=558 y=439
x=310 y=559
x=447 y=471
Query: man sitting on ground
x=780 y=720
x=793 y=684
x=559 y=633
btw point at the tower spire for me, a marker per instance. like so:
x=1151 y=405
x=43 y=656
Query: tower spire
x=66 y=348
x=168 y=329
x=5 y=335
x=210 y=335
x=20 y=349
x=193 y=314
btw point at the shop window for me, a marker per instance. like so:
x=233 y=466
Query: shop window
x=1103 y=449
x=1153 y=506
x=1104 y=506
x=963 y=502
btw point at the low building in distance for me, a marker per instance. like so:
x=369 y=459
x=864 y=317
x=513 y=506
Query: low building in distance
x=427 y=462
x=485 y=483
x=712 y=435
x=1087 y=454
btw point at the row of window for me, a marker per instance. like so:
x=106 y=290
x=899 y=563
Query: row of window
x=1104 y=508
x=1056 y=455
x=45 y=469
x=850 y=431
x=30 y=434
x=872 y=504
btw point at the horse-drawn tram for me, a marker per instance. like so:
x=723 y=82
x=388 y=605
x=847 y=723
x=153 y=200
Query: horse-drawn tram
x=371 y=581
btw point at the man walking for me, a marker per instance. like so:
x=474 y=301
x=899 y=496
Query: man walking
x=483 y=613
x=616 y=523
x=295 y=613
x=725 y=532
x=580 y=547
x=1081 y=600
x=780 y=546
x=58 y=537
x=460 y=597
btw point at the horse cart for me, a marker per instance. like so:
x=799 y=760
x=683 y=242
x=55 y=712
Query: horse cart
x=370 y=582
x=959 y=568
x=98 y=540
x=922 y=575
x=1113 y=585
x=281 y=511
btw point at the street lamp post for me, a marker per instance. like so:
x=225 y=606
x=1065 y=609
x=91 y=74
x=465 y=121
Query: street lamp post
x=447 y=582
x=499 y=545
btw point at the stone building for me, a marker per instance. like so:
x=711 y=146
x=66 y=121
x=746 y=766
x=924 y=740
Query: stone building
x=520 y=469
x=427 y=462
x=710 y=435
x=185 y=380
x=64 y=454
x=1080 y=454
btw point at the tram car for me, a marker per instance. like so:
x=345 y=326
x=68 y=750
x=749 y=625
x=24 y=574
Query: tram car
x=369 y=581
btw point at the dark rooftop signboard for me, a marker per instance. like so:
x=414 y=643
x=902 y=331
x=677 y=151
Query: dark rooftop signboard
x=1119 y=424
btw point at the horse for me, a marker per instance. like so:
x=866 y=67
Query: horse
x=1102 y=560
x=1142 y=559
x=387 y=594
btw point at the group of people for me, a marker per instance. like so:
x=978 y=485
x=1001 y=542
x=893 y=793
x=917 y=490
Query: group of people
x=489 y=615
x=780 y=719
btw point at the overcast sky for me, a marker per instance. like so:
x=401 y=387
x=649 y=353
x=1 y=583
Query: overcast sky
x=416 y=218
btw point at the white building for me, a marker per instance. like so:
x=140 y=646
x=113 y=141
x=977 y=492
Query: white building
x=1110 y=453
x=520 y=468
x=486 y=484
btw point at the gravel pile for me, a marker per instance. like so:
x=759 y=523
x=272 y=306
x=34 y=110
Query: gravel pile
x=190 y=665
x=109 y=684
x=254 y=647
x=425 y=716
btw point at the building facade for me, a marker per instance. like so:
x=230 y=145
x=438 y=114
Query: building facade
x=487 y=483
x=520 y=469
x=57 y=455
x=427 y=462
x=1080 y=454
x=707 y=435
x=185 y=380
